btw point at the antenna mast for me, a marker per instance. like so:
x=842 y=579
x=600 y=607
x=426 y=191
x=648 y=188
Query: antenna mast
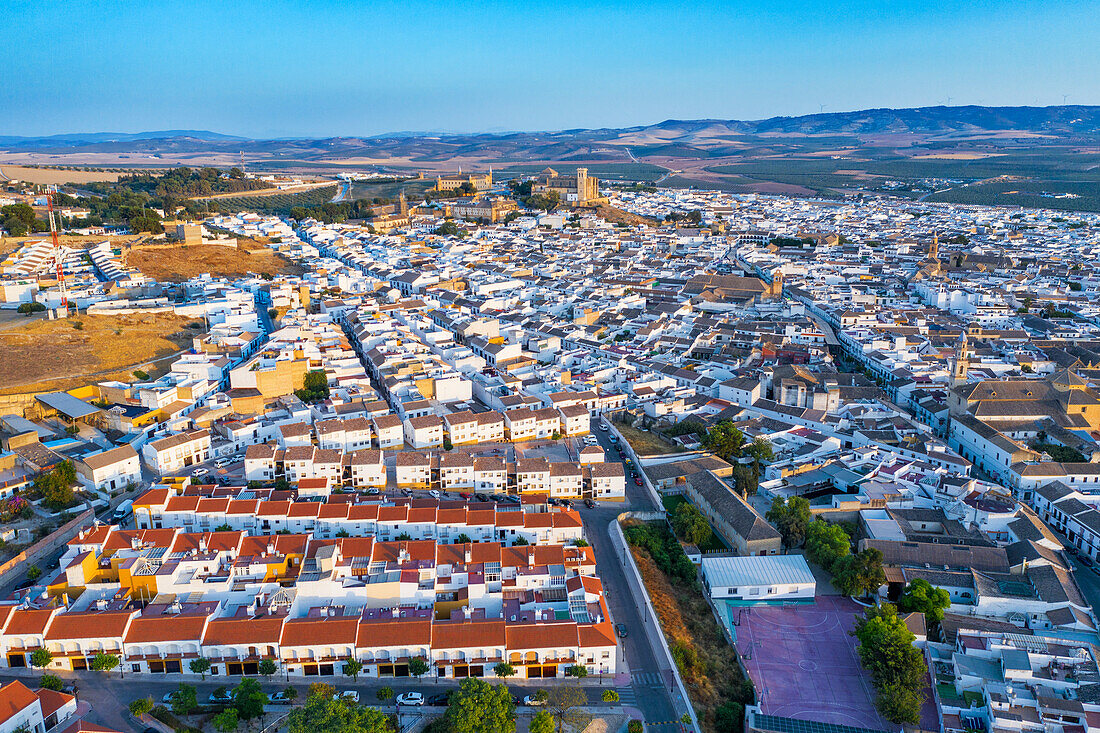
x=51 y=190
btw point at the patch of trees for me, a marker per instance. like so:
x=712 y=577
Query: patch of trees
x=896 y=667
x=1060 y=453
x=28 y=308
x=449 y=229
x=20 y=220
x=523 y=192
x=315 y=387
x=322 y=714
x=690 y=524
x=920 y=596
x=727 y=442
x=663 y=549
x=792 y=242
x=791 y=517
x=692 y=217
x=55 y=486
x=331 y=213
x=184 y=182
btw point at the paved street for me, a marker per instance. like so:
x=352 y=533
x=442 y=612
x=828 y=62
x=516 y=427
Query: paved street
x=648 y=692
x=109 y=695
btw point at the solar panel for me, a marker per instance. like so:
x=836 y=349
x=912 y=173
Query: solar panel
x=793 y=725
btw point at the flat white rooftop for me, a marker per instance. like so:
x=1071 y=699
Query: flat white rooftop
x=757 y=570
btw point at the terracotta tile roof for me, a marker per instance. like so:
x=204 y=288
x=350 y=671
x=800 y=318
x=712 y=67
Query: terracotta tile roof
x=561 y=635
x=320 y=631
x=101 y=624
x=14 y=698
x=27 y=621
x=466 y=634
x=166 y=627
x=52 y=701
x=152 y=497
x=590 y=635
x=407 y=633
x=236 y=631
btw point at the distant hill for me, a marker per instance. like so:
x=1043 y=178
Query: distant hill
x=1031 y=156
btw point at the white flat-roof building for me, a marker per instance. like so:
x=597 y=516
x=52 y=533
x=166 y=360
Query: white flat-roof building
x=759 y=578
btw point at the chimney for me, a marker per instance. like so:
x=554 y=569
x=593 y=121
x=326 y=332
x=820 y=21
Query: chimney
x=530 y=557
x=468 y=555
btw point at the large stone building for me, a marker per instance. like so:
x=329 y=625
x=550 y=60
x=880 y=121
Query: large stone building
x=479 y=182
x=578 y=188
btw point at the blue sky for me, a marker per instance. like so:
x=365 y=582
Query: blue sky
x=320 y=68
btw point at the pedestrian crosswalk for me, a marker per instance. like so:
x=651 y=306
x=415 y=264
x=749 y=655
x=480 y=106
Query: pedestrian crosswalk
x=627 y=696
x=649 y=679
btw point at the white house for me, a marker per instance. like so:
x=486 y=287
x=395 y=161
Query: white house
x=759 y=578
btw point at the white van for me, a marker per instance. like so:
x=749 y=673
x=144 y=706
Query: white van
x=124 y=510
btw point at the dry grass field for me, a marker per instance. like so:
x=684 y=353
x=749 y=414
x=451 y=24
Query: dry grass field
x=43 y=355
x=184 y=262
x=50 y=175
x=689 y=625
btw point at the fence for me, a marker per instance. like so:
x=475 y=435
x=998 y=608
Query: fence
x=44 y=546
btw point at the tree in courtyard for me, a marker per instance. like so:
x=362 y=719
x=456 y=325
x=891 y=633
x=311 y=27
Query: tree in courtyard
x=267 y=667
x=478 y=707
x=760 y=450
x=791 y=517
x=896 y=666
x=860 y=574
x=922 y=596
x=690 y=523
x=504 y=670
x=826 y=543
x=564 y=702
x=199 y=666
x=724 y=440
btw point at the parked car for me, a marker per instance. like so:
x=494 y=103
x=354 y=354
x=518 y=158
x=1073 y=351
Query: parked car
x=349 y=695
x=620 y=629
x=279 y=697
x=637 y=481
x=222 y=462
x=169 y=697
x=464 y=494
x=603 y=427
x=589 y=503
x=440 y=699
x=410 y=698
x=200 y=471
x=533 y=700
x=220 y=696
x=1085 y=560
x=481 y=497
x=434 y=494
x=374 y=491
x=512 y=498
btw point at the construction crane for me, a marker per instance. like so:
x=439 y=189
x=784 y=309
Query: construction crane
x=51 y=191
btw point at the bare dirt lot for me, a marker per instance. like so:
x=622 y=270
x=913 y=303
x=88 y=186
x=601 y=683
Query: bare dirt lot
x=184 y=262
x=44 y=355
x=51 y=175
